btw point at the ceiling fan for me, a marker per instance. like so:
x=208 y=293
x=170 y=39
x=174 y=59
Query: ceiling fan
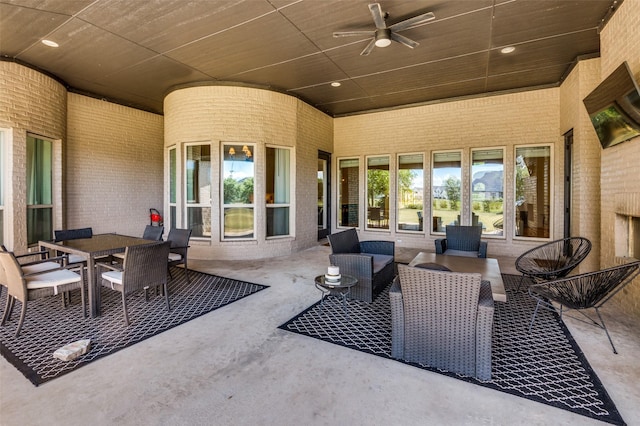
x=383 y=35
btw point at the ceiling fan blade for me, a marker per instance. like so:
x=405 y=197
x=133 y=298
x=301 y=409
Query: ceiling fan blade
x=404 y=40
x=369 y=47
x=378 y=17
x=416 y=21
x=353 y=33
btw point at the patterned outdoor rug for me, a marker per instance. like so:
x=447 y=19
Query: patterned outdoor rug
x=545 y=365
x=48 y=326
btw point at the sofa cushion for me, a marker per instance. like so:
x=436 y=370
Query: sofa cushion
x=380 y=261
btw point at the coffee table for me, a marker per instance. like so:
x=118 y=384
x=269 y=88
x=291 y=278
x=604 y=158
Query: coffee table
x=488 y=268
x=340 y=289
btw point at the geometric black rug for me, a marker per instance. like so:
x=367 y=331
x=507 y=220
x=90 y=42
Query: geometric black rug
x=48 y=326
x=545 y=365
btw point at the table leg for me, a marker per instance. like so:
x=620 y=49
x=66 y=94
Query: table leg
x=94 y=293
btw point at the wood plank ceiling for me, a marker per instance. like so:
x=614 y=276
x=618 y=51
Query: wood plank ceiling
x=135 y=52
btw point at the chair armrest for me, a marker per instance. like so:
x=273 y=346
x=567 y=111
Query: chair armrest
x=441 y=245
x=397 y=319
x=484 y=328
x=378 y=247
x=44 y=254
x=60 y=259
x=482 y=250
x=113 y=267
x=358 y=265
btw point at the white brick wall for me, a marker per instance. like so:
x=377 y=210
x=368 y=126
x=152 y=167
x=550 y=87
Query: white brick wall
x=218 y=114
x=30 y=102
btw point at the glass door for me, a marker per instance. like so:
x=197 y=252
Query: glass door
x=324 y=200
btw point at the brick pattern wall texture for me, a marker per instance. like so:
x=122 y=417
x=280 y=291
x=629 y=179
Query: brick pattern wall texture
x=114 y=166
x=620 y=41
x=506 y=121
x=30 y=102
x=222 y=114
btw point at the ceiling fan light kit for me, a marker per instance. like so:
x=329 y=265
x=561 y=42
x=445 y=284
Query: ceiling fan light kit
x=383 y=34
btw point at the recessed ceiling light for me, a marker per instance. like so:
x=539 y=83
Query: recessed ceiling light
x=336 y=84
x=507 y=49
x=50 y=43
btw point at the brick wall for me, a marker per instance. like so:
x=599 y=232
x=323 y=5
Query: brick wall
x=114 y=166
x=221 y=114
x=495 y=121
x=620 y=41
x=30 y=102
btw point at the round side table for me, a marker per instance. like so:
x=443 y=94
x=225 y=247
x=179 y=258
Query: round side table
x=340 y=288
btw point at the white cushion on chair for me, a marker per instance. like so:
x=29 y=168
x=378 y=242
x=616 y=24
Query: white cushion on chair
x=115 y=277
x=40 y=267
x=174 y=256
x=52 y=279
x=118 y=255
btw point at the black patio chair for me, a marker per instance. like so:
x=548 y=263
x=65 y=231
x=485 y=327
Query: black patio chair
x=584 y=291
x=371 y=262
x=552 y=260
x=462 y=241
x=179 y=247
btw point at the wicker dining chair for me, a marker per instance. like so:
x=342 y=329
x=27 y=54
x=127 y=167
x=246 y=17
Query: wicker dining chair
x=144 y=268
x=552 y=260
x=443 y=320
x=153 y=233
x=584 y=291
x=35 y=281
x=179 y=239
x=73 y=234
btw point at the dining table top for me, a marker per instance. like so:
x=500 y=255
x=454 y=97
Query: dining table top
x=99 y=244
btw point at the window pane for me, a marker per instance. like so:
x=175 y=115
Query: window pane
x=487 y=180
x=39 y=225
x=446 y=183
x=39 y=159
x=238 y=222
x=533 y=191
x=198 y=174
x=348 y=171
x=278 y=169
x=198 y=189
x=238 y=191
x=277 y=221
x=410 y=192
x=378 y=192
x=172 y=175
x=322 y=214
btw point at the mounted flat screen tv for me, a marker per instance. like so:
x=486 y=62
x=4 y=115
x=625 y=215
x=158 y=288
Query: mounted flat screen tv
x=614 y=107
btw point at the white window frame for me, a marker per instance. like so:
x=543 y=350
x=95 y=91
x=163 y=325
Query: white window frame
x=399 y=194
x=338 y=207
x=183 y=175
x=504 y=192
x=431 y=185
x=291 y=203
x=366 y=194
x=252 y=147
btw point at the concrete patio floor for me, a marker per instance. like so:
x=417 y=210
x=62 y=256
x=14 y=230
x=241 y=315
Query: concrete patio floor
x=233 y=366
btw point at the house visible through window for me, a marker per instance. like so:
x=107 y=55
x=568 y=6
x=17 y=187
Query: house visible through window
x=39 y=190
x=487 y=196
x=238 y=175
x=278 y=191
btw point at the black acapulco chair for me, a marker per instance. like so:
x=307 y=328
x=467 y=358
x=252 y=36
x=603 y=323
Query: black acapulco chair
x=552 y=260
x=584 y=291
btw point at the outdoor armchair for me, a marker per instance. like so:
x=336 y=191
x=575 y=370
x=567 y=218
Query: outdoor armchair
x=462 y=241
x=552 y=260
x=34 y=281
x=371 y=262
x=584 y=291
x=179 y=239
x=443 y=320
x=144 y=268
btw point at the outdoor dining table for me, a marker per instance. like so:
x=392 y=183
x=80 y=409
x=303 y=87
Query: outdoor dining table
x=90 y=249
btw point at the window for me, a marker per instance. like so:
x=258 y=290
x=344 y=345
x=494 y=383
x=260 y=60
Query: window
x=446 y=186
x=39 y=190
x=410 y=192
x=487 y=181
x=198 y=189
x=173 y=179
x=377 y=193
x=238 y=191
x=2 y=181
x=278 y=191
x=533 y=191
x=349 y=181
